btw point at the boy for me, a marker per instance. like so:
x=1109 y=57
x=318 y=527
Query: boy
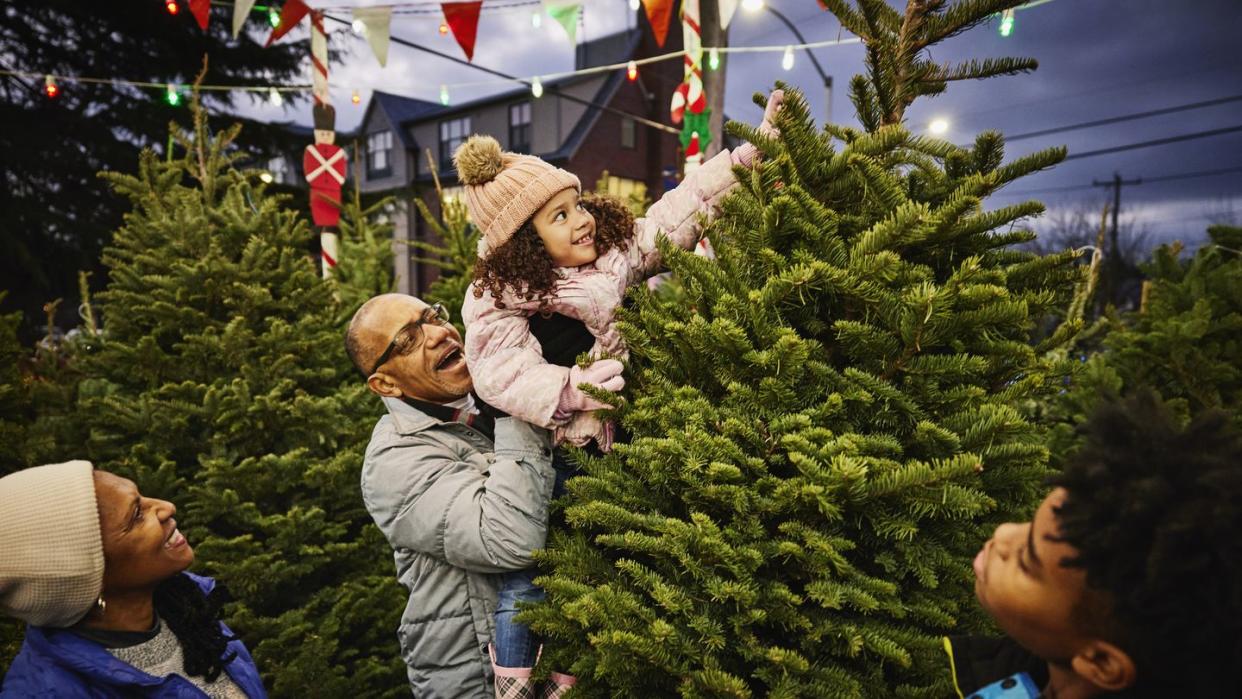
x=1128 y=580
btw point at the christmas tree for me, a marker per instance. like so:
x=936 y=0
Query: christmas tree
x=1185 y=341
x=822 y=438
x=220 y=383
x=454 y=253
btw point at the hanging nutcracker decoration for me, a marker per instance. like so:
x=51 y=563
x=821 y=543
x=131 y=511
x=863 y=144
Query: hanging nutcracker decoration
x=689 y=104
x=324 y=162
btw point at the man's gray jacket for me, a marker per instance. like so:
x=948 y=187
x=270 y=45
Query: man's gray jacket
x=457 y=514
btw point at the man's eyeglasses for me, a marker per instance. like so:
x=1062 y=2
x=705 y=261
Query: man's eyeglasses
x=410 y=336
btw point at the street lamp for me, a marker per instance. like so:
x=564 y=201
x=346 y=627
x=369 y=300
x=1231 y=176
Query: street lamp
x=787 y=59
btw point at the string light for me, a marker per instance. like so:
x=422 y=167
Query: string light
x=443 y=29
x=752 y=5
x=938 y=126
x=635 y=4
x=631 y=71
x=359 y=27
x=444 y=95
x=50 y=88
x=172 y=7
x=536 y=20
x=1006 y=23
x=536 y=87
x=273 y=96
x=713 y=59
x=788 y=59
x=355 y=98
x=171 y=96
x=266 y=177
x=273 y=17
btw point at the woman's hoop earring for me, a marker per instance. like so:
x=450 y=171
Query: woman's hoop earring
x=101 y=605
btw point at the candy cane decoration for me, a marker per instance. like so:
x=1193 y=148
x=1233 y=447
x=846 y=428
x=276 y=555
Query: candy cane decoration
x=689 y=94
x=319 y=59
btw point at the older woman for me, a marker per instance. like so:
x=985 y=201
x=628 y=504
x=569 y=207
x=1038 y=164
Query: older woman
x=97 y=570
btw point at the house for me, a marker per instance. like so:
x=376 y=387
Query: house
x=580 y=123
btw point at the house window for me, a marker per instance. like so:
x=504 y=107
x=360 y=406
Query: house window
x=628 y=137
x=453 y=133
x=379 y=154
x=279 y=168
x=519 y=127
x=625 y=188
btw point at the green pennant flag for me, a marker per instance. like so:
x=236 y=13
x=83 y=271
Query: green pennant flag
x=567 y=16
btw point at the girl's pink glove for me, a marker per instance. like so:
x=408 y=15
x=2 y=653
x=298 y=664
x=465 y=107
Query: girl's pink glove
x=605 y=374
x=747 y=154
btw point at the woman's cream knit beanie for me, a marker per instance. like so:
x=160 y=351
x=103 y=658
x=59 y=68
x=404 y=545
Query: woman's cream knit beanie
x=51 y=553
x=503 y=190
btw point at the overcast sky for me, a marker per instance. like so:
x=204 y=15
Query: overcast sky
x=1098 y=59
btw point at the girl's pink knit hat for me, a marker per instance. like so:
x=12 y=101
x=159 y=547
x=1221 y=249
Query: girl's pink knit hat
x=503 y=190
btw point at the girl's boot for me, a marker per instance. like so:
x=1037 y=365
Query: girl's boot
x=513 y=682
x=556 y=685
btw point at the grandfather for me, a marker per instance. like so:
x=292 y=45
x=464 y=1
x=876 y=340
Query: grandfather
x=462 y=497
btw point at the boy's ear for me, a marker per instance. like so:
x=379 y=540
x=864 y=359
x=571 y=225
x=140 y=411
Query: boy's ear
x=382 y=384
x=1104 y=665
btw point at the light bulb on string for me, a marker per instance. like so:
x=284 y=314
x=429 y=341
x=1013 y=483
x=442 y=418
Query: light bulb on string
x=444 y=95
x=273 y=16
x=536 y=87
x=631 y=71
x=359 y=27
x=752 y=5
x=355 y=98
x=50 y=88
x=635 y=4
x=1006 y=23
x=171 y=96
x=172 y=7
x=788 y=59
x=266 y=177
x=273 y=96
x=536 y=20
x=938 y=126
x=443 y=29
x=713 y=59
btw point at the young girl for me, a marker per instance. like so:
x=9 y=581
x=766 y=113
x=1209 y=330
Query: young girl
x=553 y=268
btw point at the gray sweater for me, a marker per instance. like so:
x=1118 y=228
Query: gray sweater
x=161 y=656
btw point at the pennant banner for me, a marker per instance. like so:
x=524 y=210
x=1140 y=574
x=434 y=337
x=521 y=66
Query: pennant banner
x=463 y=19
x=241 y=10
x=567 y=16
x=726 y=9
x=290 y=15
x=201 y=9
x=376 y=23
x=659 y=12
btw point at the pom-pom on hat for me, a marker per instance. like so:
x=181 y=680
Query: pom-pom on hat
x=51 y=552
x=503 y=190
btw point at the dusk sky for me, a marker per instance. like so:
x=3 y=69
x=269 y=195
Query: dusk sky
x=1098 y=59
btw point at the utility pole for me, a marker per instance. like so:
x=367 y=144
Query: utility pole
x=713 y=80
x=1113 y=287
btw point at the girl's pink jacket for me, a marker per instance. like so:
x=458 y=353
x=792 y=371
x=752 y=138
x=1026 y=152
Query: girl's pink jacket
x=506 y=361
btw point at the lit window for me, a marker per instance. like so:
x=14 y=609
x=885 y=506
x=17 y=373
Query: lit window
x=279 y=168
x=625 y=188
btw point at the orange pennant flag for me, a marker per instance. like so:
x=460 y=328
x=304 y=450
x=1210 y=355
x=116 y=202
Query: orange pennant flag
x=658 y=14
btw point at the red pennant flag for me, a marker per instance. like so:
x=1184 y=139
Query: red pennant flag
x=463 y=19
x=290 y=15
x=658 y=14
x=201 y=9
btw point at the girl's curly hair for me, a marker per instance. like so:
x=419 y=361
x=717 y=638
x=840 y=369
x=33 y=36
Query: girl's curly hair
x=523 y=265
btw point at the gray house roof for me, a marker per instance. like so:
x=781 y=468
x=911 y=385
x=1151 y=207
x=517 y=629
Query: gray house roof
x=401 y=111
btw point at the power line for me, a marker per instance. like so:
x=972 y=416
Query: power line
x=1161 y=178
x=1157 y=142
x=1125 y=117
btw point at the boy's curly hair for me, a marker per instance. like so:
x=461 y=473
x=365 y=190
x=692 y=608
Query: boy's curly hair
x=523 y=265
x=1155 y=512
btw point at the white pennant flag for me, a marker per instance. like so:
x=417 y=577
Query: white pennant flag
x=375 y=22
x=726 y=9
x=241 y=9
